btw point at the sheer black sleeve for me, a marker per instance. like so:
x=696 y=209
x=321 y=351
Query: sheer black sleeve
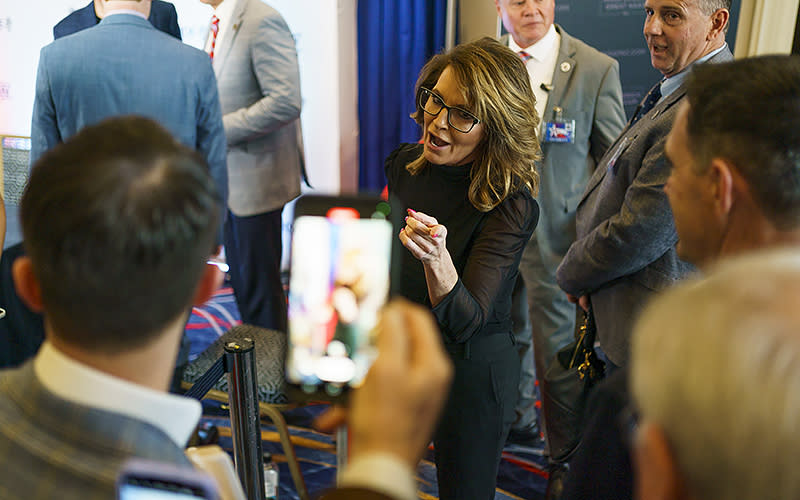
x=490 y=268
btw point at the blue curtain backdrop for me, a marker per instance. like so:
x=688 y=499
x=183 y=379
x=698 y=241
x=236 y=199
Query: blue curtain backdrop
x=395 y=39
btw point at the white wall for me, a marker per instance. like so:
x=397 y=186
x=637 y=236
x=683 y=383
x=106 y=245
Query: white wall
x=25 y=28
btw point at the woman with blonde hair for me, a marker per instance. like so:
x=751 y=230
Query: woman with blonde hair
x=468 y=193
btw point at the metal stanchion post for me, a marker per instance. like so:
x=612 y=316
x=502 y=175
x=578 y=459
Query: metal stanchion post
x=245 y=420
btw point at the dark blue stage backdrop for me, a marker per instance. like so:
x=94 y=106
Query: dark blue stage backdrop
x=395 y=39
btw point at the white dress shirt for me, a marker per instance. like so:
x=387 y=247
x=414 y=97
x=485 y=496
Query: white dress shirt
x=68 y=379
x=541 y=65
x=224 y=13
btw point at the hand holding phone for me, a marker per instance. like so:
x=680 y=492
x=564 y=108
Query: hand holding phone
x=339 y=280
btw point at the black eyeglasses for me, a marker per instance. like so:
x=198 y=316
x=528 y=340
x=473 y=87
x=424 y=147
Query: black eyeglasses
x=460 y=119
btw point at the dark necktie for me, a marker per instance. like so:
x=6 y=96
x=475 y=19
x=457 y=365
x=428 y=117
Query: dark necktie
x=214 y=33
x=647 y=104
x=524 y=56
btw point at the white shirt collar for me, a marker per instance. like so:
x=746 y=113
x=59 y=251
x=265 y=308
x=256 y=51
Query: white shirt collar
x=539 y=50
x=224 y=11
x=68 y=379
x=124 y=11
x=671 y=84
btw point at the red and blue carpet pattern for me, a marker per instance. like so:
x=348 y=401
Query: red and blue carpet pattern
x=521 y=474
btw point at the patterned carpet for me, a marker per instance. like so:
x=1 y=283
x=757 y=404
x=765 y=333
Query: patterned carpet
x=521 y=474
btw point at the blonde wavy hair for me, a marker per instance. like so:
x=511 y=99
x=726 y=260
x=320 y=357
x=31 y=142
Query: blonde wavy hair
x=496 y=87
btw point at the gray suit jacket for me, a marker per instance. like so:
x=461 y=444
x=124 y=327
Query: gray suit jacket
x=259 y=86
x=625 y=251
x=587 y=88
x=126 y=66
x=52 y=448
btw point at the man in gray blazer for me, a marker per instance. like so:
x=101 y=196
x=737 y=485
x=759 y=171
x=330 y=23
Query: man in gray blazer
x=255 y=61
x=577 y=86
x=625 y=251
x=119 y=222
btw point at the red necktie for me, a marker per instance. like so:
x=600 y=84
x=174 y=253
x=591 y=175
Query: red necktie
x=524 y=56
x=214 y=33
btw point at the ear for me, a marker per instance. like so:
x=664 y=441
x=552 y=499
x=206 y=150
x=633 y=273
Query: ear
x=720 y=175
x=26 y=284
x=209 y=282
x=497 y=7
x=657 y=474
x=719 y=19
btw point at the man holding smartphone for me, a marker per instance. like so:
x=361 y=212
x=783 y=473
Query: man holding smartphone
x=119 y=222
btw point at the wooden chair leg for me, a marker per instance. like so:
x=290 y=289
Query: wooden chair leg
x=288 y=448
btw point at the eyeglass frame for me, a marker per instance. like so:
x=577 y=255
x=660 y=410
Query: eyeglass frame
x=422 y=90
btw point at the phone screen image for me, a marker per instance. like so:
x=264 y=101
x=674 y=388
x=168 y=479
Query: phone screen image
x=339 y=280
x=147 y=489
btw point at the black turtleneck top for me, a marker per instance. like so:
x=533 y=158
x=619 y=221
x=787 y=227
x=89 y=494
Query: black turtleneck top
x=485 y=247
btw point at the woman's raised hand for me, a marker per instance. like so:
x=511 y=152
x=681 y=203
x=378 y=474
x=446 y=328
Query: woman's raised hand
x=423 y=236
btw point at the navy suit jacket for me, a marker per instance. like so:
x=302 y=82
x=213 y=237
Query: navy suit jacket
x=162 y=16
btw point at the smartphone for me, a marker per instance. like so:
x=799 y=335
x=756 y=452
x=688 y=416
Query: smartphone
x=339 y=278
x=149 y=480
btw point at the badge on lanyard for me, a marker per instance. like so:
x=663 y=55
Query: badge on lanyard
x=559 y=130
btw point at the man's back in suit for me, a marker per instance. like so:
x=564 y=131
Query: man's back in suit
x=137 y=70
x=162 y=15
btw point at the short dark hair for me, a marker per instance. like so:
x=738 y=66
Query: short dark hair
x=118 y=222
x=748 y=112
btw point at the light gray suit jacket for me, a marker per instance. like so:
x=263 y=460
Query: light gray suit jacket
x=625 y=251
x=53 y=448
x=259 y=86
x=587 y=88
x=126 y=66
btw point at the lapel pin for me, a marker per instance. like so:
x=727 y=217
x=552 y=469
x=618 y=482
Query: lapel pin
x=565 y=66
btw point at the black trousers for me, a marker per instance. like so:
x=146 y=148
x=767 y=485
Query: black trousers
x=477 y=417
x=253 y=251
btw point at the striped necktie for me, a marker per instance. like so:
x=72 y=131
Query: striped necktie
x=214 y=33
x=524 y=56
